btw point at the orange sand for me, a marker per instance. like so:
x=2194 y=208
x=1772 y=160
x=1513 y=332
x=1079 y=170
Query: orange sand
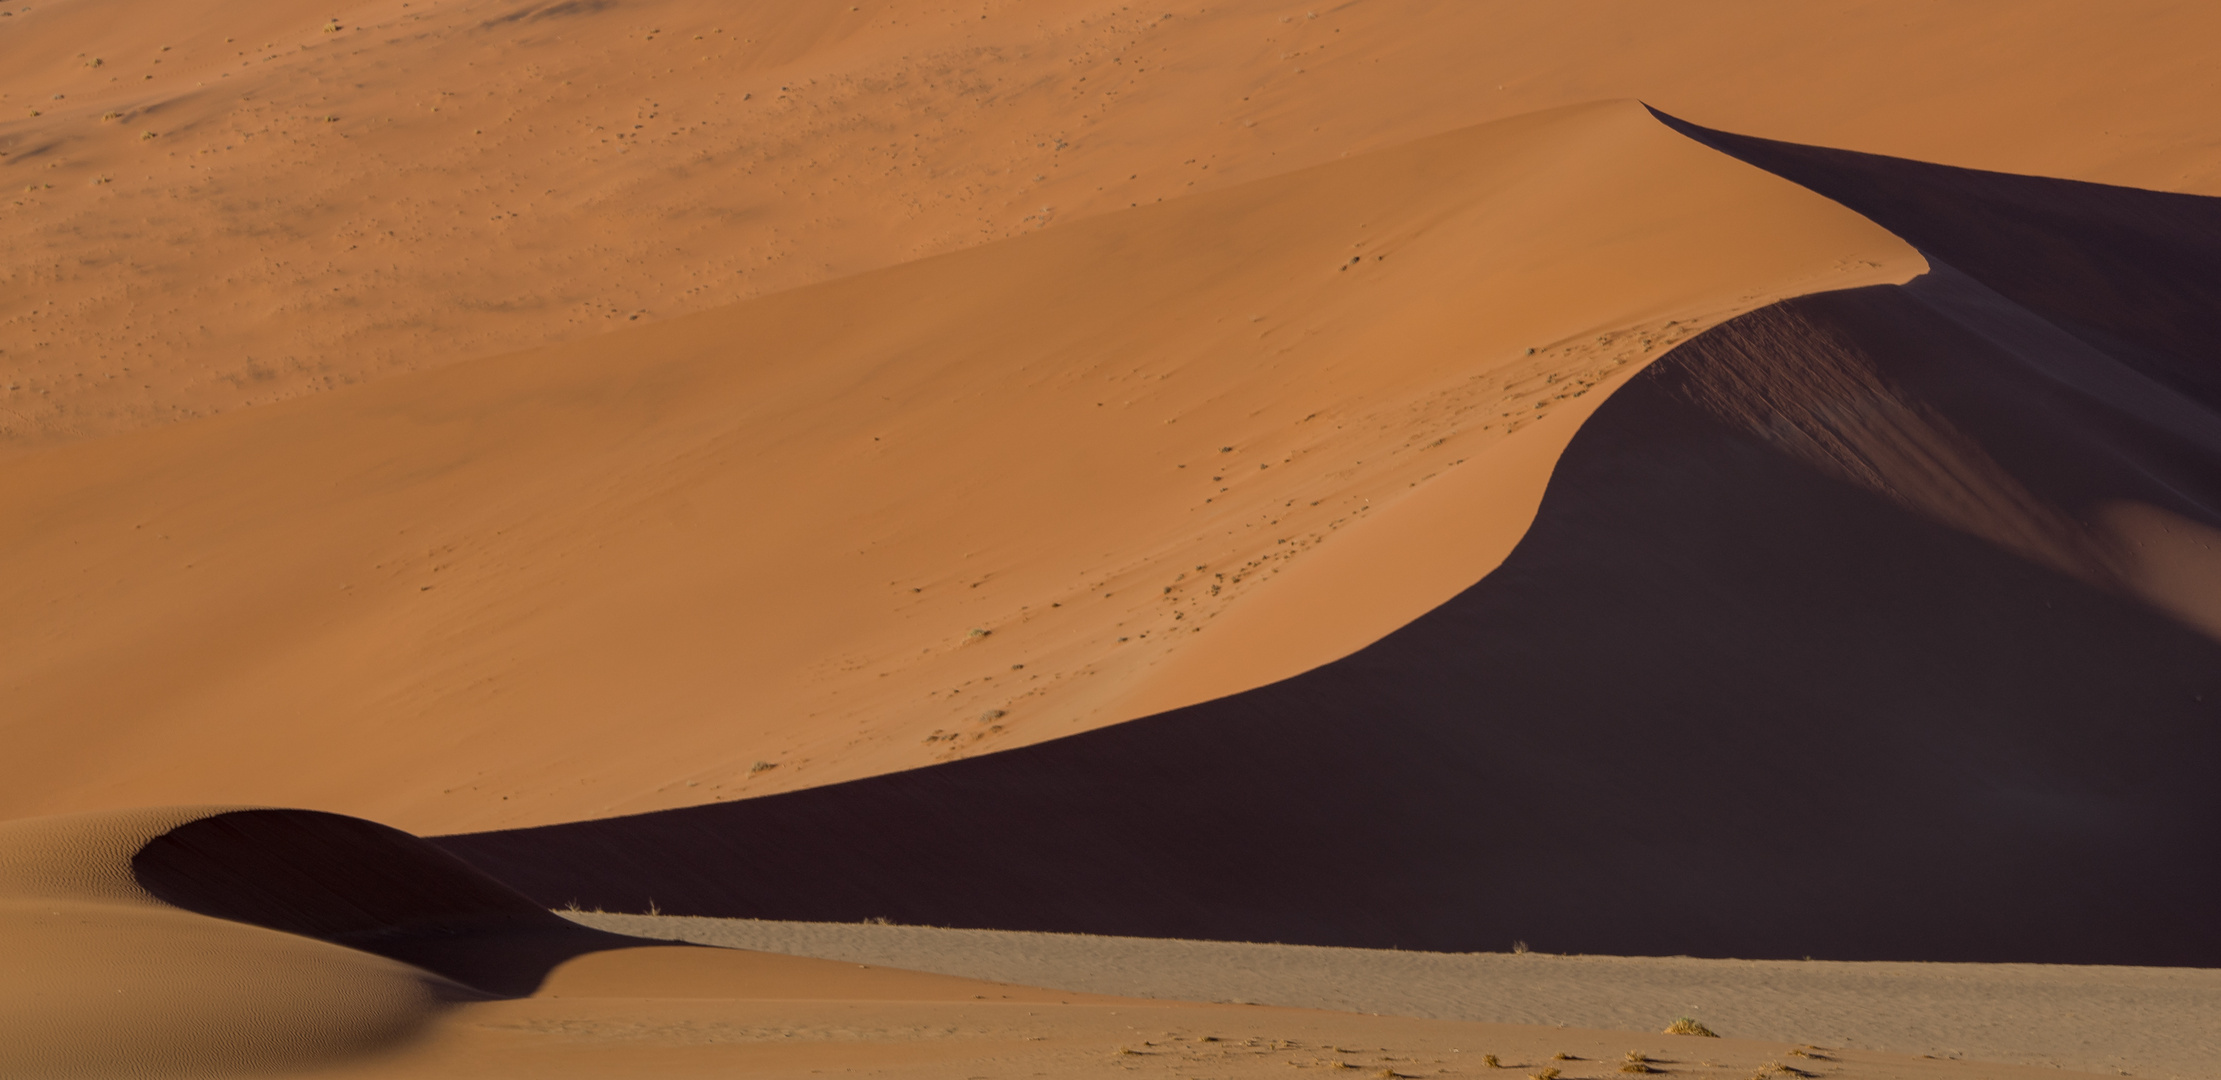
x=975 y=360
x=445 y=179
x=617 y=575
x=102 y=979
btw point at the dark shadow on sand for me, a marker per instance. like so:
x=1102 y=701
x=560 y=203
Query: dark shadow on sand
x=366 y=886
x=1816 y=648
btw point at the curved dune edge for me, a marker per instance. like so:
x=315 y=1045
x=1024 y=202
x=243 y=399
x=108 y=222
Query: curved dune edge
x=225 y=941
x=806 y=546
x=1406 y=560
x=101 y=979
x=1833 y=593
x=2127 y=282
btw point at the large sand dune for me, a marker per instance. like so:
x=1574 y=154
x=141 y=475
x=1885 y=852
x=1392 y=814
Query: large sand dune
x=1850 y=628
x=1349 y=475
x=965 y=503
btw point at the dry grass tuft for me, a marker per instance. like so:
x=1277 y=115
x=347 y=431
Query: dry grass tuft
x=1689 y=1026
x=1490 y=1061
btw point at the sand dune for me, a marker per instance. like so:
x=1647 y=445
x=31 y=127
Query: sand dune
x=116 y=967
x=1820 y=644
x=957 y=505
x=1350 y=476
x=248 y=202
x=101 y=979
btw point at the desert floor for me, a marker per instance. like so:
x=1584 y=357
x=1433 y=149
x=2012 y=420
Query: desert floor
x=2133 y=1021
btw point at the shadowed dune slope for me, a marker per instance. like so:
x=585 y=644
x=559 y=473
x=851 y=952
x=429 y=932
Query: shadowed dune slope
x=363 y=885
x=99 y=977
x=2136 y=273
x=910 y=515
x=1836 y=635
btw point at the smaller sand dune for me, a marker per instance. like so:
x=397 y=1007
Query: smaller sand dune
x=220 y=941
x=102 y=978
x=356 y=883
x=119 y=964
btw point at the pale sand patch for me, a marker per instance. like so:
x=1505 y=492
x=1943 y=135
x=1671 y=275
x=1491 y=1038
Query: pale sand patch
x=2125 y=1020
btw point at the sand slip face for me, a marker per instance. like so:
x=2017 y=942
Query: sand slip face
x=1827 y=640
x=949 y=507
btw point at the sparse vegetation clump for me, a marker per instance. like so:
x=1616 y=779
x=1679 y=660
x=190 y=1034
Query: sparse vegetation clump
x=1546 y=1074
x=1689 y=1026
x=1637 y=1062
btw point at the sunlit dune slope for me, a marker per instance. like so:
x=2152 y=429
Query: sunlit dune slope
x=1866 y=625
x=952 y=506
x=209 y=204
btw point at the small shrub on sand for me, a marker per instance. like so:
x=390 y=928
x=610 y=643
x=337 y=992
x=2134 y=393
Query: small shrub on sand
x=1563 y=1056
x=1490 y=1061
x=1688 y=1026
x=1546 y=1074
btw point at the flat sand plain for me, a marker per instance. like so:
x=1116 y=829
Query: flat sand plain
x=2127 y=1020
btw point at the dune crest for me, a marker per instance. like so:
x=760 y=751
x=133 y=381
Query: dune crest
x=953 y=506
x=1872 y=624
